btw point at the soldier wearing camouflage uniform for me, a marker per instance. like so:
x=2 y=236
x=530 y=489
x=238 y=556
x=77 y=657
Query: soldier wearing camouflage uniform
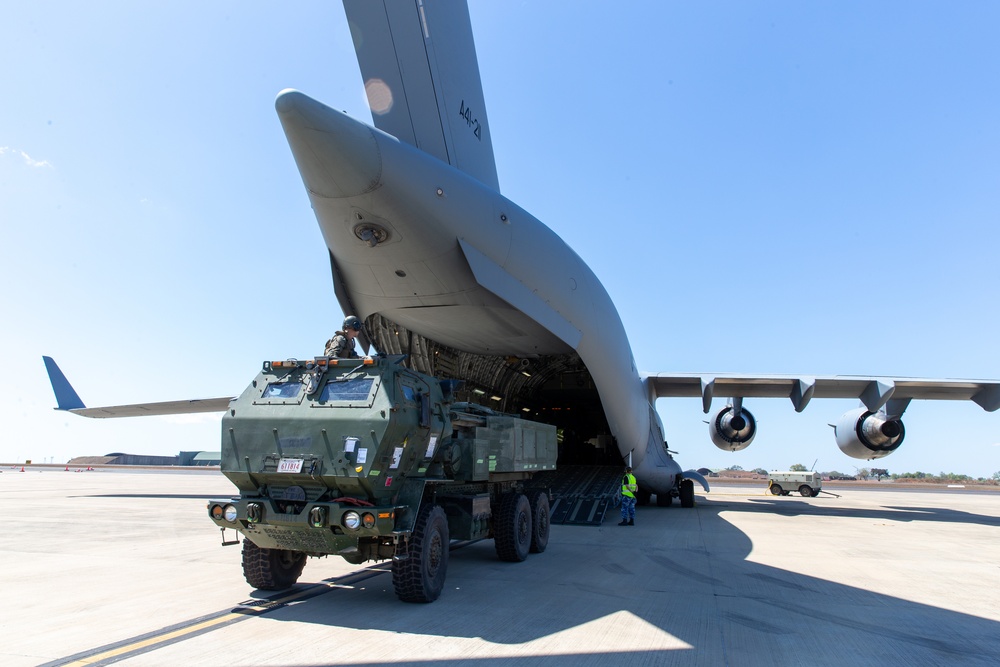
x=342 y=343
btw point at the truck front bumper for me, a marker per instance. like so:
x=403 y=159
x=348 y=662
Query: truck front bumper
x=320 y=528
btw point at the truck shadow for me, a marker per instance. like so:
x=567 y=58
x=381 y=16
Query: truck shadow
x=686 y=574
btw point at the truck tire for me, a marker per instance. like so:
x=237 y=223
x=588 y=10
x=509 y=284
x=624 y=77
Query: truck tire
x=418 y=576
x=664 y=499
x=805 y=491
x=539 y=501
x=512 y=533
x=776 y=490
x=271 y=569
x=686 y=491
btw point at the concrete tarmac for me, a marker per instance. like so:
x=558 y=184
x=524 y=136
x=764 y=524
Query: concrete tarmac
x=125 y=568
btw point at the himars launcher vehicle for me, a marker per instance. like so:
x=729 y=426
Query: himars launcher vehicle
x=368 y=460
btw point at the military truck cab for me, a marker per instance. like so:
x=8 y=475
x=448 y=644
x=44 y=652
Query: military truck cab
x=369 y=460
x=781 y=483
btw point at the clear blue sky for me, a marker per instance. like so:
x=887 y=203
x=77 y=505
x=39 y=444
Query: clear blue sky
x=780 y=187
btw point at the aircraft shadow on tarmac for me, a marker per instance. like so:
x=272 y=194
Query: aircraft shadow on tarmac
x=788 y=507
x=688 y=577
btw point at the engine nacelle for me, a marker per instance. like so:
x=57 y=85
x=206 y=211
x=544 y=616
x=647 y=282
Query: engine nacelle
x=732 y=431
x=863 y=434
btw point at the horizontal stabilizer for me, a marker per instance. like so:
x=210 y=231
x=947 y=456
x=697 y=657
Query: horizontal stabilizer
x=69 y=401
x=157 y=409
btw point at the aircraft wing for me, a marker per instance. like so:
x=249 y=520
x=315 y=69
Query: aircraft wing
x=874 y=392
x=418 y=61
x=69 y=401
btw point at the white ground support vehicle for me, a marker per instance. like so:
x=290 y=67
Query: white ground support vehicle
x=783 y=482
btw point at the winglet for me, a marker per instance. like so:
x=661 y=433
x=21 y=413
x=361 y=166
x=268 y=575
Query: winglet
x=66 y=396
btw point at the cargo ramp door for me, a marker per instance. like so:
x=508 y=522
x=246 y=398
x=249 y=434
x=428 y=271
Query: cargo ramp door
x=581 y=494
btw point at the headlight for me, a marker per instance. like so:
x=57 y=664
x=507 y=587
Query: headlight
x=352 y=520
x=369 y=519
x=229 y=513
x=216 y=511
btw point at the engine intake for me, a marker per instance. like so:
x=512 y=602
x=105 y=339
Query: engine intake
x=863 y=434
x=731 y=430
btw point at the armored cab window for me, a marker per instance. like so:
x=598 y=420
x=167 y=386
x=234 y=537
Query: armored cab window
x=355 y=389
x=282 y=390
x=409 y=393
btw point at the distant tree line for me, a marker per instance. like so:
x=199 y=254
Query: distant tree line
x=879 y=473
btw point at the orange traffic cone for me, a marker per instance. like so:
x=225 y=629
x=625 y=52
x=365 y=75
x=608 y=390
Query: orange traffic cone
x=22 y=468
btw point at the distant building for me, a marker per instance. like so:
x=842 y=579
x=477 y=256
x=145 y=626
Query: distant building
x=207 y=459
x=122 y=459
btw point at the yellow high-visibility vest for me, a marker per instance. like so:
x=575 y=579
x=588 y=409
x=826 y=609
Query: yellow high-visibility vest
x=629 y=487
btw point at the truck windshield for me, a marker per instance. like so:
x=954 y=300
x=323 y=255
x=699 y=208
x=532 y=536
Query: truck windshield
x=355 y=389
x=282 y=390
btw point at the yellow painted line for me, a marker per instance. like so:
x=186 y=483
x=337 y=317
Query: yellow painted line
x=232 y=617
x=159 y=639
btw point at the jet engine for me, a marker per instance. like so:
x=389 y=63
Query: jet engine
x=732 y=430
x=863 y=434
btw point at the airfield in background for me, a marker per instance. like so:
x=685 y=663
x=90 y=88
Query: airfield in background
x=126 y=567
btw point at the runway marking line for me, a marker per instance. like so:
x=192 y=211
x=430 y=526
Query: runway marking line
x=243 y=610
x=151 y=641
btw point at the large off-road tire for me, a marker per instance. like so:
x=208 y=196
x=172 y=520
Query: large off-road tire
x=776 y=490
x=418 y=572
x=512 y=532
x=805 y=491
x=686 y=492
x=271 y=569
x=664 y=499
x=539 y=501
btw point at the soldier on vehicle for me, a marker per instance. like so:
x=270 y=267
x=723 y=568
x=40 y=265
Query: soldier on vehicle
x=342 y=343
x=629 y=489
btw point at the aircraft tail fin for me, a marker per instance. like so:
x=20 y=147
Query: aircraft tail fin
x=418 y=61
x=66 y=396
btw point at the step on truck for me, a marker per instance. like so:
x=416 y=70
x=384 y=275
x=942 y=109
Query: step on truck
x=369 y=460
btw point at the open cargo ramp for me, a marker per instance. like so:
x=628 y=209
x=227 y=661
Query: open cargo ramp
x=581 y=494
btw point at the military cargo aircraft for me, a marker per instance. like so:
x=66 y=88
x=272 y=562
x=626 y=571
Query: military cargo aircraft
x=443 y=268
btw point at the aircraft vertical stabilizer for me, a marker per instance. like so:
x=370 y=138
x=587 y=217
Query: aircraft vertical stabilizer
x=418 y=61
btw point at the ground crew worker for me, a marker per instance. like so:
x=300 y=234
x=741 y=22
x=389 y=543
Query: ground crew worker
x=342 y=343
x=629 y=489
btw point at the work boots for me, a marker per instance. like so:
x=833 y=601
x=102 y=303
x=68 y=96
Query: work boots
x=623 y=523
x=631 y=522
